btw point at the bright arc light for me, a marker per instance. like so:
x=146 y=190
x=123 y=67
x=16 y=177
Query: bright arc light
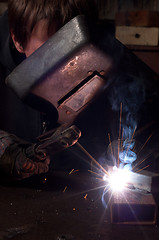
x=118 y=179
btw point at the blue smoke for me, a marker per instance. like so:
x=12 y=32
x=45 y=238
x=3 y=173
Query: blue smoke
x=127 y=156
x=126 y=89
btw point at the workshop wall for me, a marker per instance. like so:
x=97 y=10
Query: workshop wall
x=109 y=8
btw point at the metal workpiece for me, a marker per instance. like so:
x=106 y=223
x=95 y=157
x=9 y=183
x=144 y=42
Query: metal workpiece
x=133 y=208
x=135 y=204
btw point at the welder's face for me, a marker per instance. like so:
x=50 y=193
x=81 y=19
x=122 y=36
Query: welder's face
x=38 y=37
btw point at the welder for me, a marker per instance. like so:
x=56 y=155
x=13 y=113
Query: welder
x=24 y=27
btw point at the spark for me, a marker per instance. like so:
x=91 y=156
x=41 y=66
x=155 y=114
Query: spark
x=144 y=128
x=119 y=132
x=120 y=120
x=145 y=143
x=131 y=140
x=93 y=159
x=111 y=147
x=139 y=163
x=134 y=132
x=142 y=169
x=45 y=179
x=95 y=173
x=73 y=171
x=116 y=180
x=65 y=189
x=85 y=197
x=98 y=178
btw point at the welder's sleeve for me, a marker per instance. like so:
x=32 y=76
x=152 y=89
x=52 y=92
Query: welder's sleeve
x=13 y=161
x=6 y=164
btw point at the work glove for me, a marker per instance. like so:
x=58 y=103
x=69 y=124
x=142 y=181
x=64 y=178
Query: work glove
x=22 y=160
x=35 y=158
x=54 y=141
x=14 y=164
x=25 y=167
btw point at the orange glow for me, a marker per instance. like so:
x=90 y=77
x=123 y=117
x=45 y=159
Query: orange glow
x=85 y=197
x=65 y=189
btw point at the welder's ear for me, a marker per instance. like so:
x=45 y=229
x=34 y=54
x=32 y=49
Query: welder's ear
x=16 y=43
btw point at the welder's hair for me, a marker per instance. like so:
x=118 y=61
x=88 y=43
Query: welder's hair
x=24 y=14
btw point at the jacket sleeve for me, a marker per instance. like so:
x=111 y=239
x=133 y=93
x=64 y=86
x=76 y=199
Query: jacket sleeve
x=10 y=147
x=7 y=144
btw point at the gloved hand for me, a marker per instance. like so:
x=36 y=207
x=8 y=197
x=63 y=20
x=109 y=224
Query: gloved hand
x=14 y=164
x=25 y=167
x=54 y=141
x=35 y=158
x=20 y=159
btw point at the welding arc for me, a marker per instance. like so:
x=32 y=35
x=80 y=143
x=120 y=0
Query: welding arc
x=87 y=153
